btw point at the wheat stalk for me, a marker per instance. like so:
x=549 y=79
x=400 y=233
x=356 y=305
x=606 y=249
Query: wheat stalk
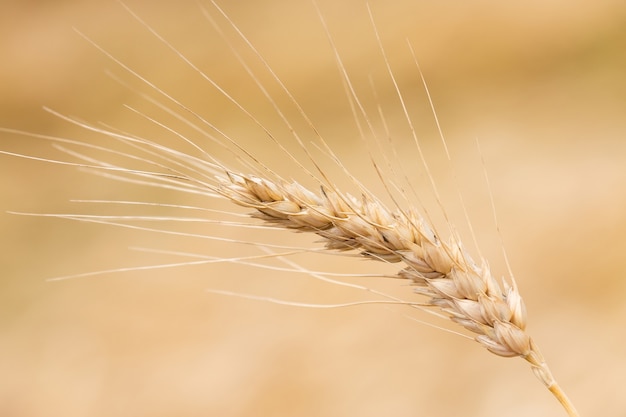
x=461 y=288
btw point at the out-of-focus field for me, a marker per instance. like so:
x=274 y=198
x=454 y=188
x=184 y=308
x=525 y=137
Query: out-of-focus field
x=540 y=86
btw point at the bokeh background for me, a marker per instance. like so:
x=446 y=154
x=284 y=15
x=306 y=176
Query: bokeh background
x=533 y=93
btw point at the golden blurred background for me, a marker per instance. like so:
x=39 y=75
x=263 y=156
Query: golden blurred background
x=532 y=92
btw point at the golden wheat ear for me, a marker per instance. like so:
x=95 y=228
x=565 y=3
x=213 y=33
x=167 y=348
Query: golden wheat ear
x=445 y=278
x=441 y=271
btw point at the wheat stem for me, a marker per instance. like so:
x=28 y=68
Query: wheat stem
x=556 y=390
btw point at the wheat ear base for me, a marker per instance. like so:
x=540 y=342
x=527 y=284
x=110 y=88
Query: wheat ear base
x=541 y=370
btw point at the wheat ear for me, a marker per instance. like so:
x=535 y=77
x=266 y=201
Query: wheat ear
x=444 y=272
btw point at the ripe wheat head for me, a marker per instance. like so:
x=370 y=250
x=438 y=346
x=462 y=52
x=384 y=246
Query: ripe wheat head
x=362 y=197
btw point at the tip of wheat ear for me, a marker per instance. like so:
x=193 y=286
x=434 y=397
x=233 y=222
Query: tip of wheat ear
x=443 y=272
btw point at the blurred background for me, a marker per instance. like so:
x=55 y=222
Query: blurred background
x=533 y=93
